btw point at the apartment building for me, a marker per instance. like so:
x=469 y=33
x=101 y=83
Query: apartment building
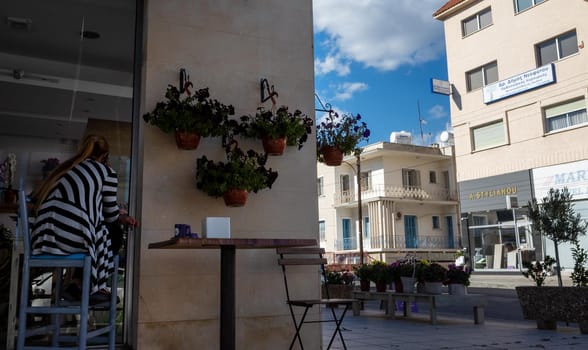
x=408 y=204
x=519 y=76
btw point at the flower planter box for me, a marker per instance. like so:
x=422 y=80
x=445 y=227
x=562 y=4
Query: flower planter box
x=548 y=305
x=337 y=291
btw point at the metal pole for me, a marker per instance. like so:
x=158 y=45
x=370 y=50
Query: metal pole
x=359 y=209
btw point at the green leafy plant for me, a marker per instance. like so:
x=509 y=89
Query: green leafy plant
x=458 y=275
x=381 y=272
x=580 y=274
x=195 y=112
x=539 y=270
x=556 y=219
x=434 y=272
x=363 y=271
x=344 y=131
x=242 y=170
x=294 y=127
x=407 y=267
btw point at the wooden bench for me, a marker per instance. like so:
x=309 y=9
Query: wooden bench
x=478 y=302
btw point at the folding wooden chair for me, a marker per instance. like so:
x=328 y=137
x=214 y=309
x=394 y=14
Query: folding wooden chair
x=291 y=257
x=58 y=307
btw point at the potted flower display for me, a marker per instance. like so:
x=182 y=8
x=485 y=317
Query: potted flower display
x=278 y=129
x=457 y=279
x=340 y=285
x=241 y=173
x=363 y=272
x=190 y=117
x=395 y=270
x=339 y=135
x=408 y=272
x=434 y=275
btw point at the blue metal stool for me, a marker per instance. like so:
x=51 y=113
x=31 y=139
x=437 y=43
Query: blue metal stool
x=58 y=308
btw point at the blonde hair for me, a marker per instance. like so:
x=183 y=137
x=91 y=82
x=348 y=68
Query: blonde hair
x=93 y=147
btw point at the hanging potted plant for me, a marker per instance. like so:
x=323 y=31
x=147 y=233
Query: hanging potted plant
x=339 y=135
x=241 y=173
x=278 y=129
x=190 y=116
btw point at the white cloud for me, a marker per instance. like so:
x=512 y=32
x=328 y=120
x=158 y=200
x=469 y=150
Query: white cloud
x=437 y=112
x=331 y=63
x=346 y=90
x=382 y=34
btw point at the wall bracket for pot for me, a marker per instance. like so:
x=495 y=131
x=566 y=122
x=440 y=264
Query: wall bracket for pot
x=185 y=83
x=267 y=92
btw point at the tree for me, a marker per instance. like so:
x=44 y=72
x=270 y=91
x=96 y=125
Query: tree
x=556 y=219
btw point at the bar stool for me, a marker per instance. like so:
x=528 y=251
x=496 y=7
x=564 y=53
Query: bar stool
x=59 y=308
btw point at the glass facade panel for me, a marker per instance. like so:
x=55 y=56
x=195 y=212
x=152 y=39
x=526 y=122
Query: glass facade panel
x=58 y=87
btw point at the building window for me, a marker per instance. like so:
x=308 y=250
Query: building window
x=365 y=180
x=319 y=185
x=344 y=183
x=482 y=76
x=446 y=179
x=476 y=22
x=411 y=178
x=322 y=230
x=366 y=227
x=566 y=115
x=436 y=224
x=522 y=5
x=432 y=177
x=488 y=135
x=556 y=48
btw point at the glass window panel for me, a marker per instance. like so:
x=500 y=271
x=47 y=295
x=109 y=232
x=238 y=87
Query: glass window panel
x=470 y=25
x=485 y=18
x=568 y=44
x=475 y=79
x=577 y=117
x=491 y=73
x=322 y=230
x=489 y=135
x=547 y=52
x=522 y=5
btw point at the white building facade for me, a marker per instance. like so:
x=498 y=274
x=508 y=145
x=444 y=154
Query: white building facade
x=519 y=76
x=408 y=204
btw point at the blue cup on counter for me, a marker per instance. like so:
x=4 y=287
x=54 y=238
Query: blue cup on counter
x=182 y=230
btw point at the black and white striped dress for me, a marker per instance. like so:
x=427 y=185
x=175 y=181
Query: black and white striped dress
x=72 y=218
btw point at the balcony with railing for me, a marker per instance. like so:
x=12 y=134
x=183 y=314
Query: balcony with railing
x=422 y=242
x=395 y=192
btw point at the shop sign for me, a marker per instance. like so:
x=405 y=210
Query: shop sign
x=490 y=193
x=519 y=83
x=502 y=192
x=574 y=176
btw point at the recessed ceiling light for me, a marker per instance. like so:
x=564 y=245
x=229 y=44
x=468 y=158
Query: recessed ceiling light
x=88 y=34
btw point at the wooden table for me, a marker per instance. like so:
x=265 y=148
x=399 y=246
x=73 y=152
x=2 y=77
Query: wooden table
x=478 y=302
x=227 y=248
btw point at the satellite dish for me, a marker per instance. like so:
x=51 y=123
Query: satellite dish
x=444 y=136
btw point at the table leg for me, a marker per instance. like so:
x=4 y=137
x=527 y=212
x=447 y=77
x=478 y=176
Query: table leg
x=227 y=302
x=478 y=314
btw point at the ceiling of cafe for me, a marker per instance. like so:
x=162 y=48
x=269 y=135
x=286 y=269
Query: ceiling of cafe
x=53 y=78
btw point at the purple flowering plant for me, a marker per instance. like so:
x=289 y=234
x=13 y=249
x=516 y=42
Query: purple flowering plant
x=343 y=131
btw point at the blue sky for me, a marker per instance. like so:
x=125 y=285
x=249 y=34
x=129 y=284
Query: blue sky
x=377 y=58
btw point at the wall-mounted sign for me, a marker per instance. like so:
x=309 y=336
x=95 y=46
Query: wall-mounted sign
x=574 y=176
x=519 y=83
x=490 y=193
x=442 y=87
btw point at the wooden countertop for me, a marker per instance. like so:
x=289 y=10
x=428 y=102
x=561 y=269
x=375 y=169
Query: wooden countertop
x=240 y=243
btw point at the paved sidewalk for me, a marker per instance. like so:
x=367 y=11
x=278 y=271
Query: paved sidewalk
x=372 y=331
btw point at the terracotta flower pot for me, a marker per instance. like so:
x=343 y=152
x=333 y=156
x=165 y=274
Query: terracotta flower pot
x=364 y=285
x=235 y=197
x=187 y=140
x=381 y=286
x=274 y=147
x=332 y=155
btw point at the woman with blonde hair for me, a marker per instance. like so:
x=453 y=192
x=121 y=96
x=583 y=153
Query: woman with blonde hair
x=74 y=206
